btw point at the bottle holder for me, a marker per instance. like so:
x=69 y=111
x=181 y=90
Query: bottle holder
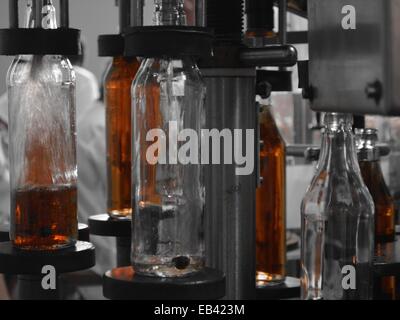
x=168 y=41
x=62 y=41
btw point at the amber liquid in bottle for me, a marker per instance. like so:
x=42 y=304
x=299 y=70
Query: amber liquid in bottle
x=45 y=217
x=384 y=206
x=384 y=288
x=119 y=130
x=270 y=204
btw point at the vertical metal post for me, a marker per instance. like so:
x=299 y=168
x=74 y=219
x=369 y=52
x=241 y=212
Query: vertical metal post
x=283 y=21
x=64 y=13
x=201 y=13
x=230 y=198
x=124 y=14
x=136 y=13
x=124 y=251
x=37 y=6
x=13 y=11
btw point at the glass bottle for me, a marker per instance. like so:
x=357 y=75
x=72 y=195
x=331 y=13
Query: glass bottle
x=270 y=203
x=337 y=221
x=118 y=131
x=368 y=157
x=168 y=188
x=43 y=169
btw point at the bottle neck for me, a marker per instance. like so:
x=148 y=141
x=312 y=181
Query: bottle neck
x=338 y=150
x=169 y=13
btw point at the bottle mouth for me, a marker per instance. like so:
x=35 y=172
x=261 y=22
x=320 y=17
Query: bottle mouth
x=337 y=121
x=366 y=140
x=367 y=133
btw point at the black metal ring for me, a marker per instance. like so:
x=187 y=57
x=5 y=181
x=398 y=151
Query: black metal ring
x=38 y=41
x=111 y=45
x=168 y=41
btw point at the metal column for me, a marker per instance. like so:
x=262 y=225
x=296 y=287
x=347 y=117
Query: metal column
x=230 y=199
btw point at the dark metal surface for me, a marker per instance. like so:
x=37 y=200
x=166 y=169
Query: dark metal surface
x=283 y=21
x=83 y=232
x=40 y=41
x=290 y=289
x=137 y=13
x=64 y=13
x=230 y=199
x=272 y=56
x=37 y=6
x=29 y=287
x=13 y=13
x=103 y=225
x=170 y=41
x=124 y=7
x=14 y=261
x=352 y=70
x=123 y=284
x=387 y=261
x=201 y=13
x=124 y=251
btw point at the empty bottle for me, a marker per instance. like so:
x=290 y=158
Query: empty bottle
x=337 y=221
x=168 y=96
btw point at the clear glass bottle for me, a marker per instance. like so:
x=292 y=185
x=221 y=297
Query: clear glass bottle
x=43 y=168
x=337 y=221
x=118 y=131
x=369 y=160
x=167 y=188
x=270 y=203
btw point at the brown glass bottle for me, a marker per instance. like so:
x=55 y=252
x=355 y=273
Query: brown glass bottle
x=270 y=203
x=118 y=130
x=368 y=156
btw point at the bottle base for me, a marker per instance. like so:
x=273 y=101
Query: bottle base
x=177 y=267
x=264 y=279
x=120 y=214
x=26 y=246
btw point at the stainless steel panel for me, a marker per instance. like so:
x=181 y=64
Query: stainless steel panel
x=344 y=63
x=230 y=199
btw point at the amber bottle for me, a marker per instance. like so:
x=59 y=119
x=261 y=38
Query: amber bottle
x=117 y=89
x=270 y=203
x=42 y=149
x=368 y=156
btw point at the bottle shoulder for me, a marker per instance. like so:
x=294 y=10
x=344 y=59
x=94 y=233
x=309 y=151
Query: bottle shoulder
x=331 y=190
x=44 y=69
